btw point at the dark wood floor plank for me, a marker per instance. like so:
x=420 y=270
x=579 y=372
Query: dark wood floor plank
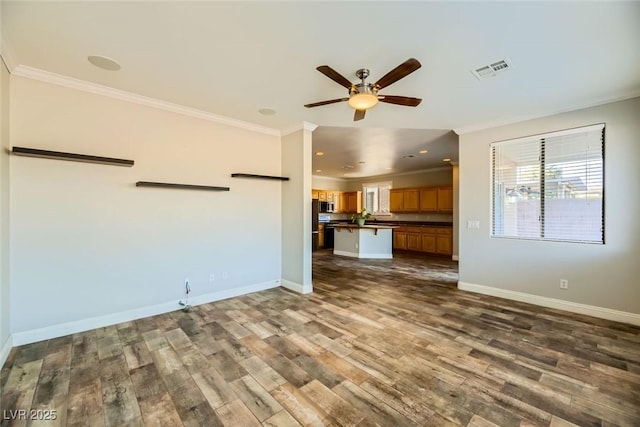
x=335 y=406
x=300 y=406
x=120 y=403
x=261 y=404
x=237 y=414
x=214 y=387
x=159 y=410
x=376 y=411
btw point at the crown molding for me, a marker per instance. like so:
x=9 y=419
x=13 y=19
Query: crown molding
x=329 y=178
x=7 y=56
x=302 y=126
x=540 y=114
x=82 y=85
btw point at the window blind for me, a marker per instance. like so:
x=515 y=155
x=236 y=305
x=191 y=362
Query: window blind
x=550 y=187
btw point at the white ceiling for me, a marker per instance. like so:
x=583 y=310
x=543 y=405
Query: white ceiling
x=234 y=58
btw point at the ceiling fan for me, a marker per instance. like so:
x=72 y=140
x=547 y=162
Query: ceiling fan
x=363 y=95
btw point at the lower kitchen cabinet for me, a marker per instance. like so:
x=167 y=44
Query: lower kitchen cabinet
x=431 y=240
x=399 y=239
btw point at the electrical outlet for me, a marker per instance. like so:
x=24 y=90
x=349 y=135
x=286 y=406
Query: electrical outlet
x=212 y=277
x=225 y=275
x=564 y=284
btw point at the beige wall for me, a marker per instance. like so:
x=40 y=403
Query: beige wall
x=324 y=183
x=296 y=211
x=5 y=307
x=603 y=276
x=89 y=247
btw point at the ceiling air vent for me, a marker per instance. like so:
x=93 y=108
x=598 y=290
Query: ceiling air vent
x=492 y=69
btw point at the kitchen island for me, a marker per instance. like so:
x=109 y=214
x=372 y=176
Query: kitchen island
x=367 y=241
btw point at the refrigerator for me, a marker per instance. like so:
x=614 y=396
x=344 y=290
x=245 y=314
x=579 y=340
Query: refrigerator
x=314 y=224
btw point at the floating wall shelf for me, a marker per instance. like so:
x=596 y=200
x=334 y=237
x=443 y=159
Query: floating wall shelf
x=74 y=157
x=179 y=186
x=248 y=175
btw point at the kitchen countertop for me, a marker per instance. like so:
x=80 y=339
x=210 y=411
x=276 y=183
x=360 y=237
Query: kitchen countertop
x=394 y=224
x=373 y=226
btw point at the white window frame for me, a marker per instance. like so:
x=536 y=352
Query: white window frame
x=377 y=186
x=499 y=192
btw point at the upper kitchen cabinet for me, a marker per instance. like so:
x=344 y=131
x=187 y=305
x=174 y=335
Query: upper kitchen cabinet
x=445 y=199
x=404 y=200
x=335 y=198
x=350 y=201
x=429 y=199
x=425 y=199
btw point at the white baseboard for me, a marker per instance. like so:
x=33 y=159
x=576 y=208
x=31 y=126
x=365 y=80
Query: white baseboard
x=573 y=307
x=362 y=255
x=4 y=351
x=455 y=258
x=35 y=335
x=296 y=287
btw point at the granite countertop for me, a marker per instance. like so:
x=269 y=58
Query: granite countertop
x=373 y=226
x=393 y=223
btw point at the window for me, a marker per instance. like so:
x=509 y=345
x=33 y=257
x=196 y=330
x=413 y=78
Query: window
x=550 y=187
x=376 y=198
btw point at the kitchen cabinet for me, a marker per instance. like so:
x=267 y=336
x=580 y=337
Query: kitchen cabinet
x=351 y=201
x=430 y=240
x=322 y=195
x=445 y=199
x=314 y=194
x=399 y=239
x=429 y=199
x=414 y=242
x=321 y=236
x=335 y=198
x=404 y=200
x=437 y=240
x=424 y=199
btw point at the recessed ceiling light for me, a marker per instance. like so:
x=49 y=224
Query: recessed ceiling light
x=347 y=167
x=318 y=170
x=104 y=62
x=409 y=156
x=267 y=111
x=319 y=153
x=389 y=169
x=446 y=160
x=424 y=151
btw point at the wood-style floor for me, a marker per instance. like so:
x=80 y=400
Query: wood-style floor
x=379 y=342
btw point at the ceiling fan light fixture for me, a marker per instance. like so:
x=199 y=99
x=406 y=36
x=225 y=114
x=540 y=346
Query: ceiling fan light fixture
x=363 y=101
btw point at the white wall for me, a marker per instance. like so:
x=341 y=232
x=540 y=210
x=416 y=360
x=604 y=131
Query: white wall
x=89 y=247
x=5 y=342
x=296 y=210
x=604 y=276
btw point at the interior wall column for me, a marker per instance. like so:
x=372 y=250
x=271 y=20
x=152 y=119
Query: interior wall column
x=296 y=209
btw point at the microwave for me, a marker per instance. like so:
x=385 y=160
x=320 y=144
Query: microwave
x=325 y=207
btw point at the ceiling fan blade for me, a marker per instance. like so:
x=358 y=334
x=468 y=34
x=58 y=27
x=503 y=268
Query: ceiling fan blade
x=334 y=75
x=400 y=100
x=359 y=115
x=331 y=101
x=402 y=70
